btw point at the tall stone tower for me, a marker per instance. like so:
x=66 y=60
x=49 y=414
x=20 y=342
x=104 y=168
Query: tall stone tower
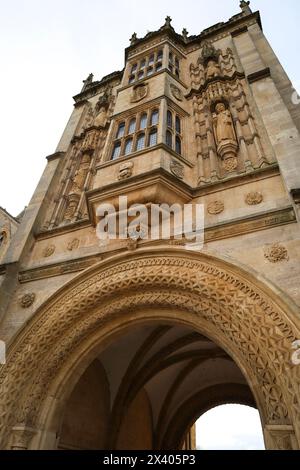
x=123 y=344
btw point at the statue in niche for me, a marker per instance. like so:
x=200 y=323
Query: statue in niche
x=223 y=124
x=101 y=108
x=212 y=69
x=71 y=209
x=101 y=117
x=80 y=175
x=227 y=145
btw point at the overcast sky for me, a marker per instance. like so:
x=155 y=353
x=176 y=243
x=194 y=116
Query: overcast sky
x=47 y=47
x=230 y=427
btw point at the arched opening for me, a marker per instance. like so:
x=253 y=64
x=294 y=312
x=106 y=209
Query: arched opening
x=147 y=387
x=239 y=334
x=229 y=427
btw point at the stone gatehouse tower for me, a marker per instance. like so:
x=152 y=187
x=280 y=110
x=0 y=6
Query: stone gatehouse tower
x=122 y=345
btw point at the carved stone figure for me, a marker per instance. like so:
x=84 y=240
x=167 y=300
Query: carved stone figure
x=101 y=117
x=125 y=170
x=185 y=34
x=80 y=175
x=212 y=70
x=227 y=145
x=208 y=53
x=133 y=39
x=71 y=206
x=168 y=20
x=224 y=129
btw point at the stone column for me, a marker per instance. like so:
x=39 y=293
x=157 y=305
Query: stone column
x=21 y=437
x=280 y=437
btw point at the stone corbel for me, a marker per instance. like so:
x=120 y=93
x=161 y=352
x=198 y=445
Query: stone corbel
x=227 y=150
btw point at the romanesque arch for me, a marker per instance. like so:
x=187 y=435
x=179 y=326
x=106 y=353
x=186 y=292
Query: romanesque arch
x=242 y=314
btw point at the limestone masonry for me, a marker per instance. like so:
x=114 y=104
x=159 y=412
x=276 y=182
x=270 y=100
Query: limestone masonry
x=124 y=344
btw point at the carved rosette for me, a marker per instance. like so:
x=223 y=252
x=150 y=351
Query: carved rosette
x=215 y=207
x=253 y=198
x=276 y=253
x=73 y=244
x=48 y=251
x=27 y=300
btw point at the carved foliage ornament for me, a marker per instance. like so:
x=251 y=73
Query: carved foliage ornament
x=197 y=285
x=253 y=198
x=27 y=300
x=276 y=253
x=215 y=207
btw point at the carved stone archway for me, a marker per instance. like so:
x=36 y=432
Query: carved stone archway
x=243 y=315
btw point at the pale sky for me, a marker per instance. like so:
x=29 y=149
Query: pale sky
x=230 y=427
x=47 y=47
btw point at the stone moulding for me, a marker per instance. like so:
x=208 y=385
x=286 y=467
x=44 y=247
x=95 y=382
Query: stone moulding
x=214 y=232
x=223 y=301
